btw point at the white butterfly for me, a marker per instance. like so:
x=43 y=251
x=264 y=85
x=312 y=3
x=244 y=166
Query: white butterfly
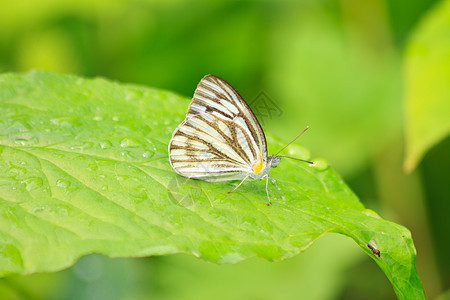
x=221 y=139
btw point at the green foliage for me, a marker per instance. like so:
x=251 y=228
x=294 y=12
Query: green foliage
x=427 y=72
x=343 y=85
x=85 y=170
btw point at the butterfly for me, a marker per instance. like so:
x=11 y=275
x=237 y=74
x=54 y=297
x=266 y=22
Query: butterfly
x=221 y=138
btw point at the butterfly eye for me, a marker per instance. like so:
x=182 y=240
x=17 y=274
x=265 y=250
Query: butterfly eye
x=274 y=161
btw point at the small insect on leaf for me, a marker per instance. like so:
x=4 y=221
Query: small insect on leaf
x=374 y=247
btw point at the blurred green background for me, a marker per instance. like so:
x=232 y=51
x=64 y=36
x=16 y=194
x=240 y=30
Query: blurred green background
x=333 y=65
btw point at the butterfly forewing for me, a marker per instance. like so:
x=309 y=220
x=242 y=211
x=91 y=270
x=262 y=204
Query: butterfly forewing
x=220 y=139
x=217 y=97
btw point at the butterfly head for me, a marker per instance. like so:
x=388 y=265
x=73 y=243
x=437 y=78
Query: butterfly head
x=273 y=161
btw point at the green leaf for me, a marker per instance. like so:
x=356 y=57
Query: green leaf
x=427 y=85
x=84 y=168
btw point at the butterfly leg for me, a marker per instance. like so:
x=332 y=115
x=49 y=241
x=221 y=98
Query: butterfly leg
x=238 y=185
x=276 y=184
x=267 y=191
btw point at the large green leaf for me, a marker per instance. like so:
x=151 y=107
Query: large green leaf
x=84 y=169
x=427 y=85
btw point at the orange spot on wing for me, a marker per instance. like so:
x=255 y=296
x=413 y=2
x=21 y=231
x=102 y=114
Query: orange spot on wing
x=258 y=165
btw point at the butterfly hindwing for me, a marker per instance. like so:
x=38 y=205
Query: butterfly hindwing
x=213 y=149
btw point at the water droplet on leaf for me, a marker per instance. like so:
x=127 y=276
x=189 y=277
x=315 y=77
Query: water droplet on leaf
x=63 y=183
x=33 y=183
x=130 y=142
x=105 y=144
x=82 y=146
x=320 y=164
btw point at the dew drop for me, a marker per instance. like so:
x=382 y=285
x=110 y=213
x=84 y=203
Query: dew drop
x=18 y=126
x=20 y=141
x=58 y=210
x=11 y=215
x=319 y=164
x=130 y=142
x=133 y=95
x=92 y=167
x=120 y=177
x=63 y=183
x=38 y=209
x=63 y=122
x=17 y=170
x=139 y=192
x=82 y=146
x=370 y=213
x=147 y=154
x=105 y=144
x=298 y=151
x=126 y=154
x=33 y=183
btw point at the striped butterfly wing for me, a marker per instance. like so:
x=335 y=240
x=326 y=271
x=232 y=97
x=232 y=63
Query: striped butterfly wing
x=216 y=96
x=220 y=139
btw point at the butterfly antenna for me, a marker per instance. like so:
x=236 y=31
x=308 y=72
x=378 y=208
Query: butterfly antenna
x=306 y=161
x=292 y=141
